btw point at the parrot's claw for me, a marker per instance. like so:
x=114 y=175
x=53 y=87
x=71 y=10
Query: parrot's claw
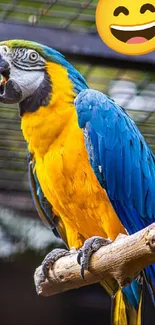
x=90 y=246
x=51 y=258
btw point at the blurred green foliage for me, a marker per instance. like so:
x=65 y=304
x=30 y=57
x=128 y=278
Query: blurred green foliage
x=57 y=13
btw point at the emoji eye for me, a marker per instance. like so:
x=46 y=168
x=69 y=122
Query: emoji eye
x=120 y=10
x=146 y=7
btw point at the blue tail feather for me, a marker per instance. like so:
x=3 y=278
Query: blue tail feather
x=132 y=293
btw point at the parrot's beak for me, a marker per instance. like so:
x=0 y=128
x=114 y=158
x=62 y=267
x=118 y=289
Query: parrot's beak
x=4 y=74
x=10 y=92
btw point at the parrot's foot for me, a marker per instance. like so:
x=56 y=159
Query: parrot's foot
x=51 y=258
x=90 y=246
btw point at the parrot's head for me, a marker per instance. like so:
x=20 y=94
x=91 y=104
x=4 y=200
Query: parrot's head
x=24 y=76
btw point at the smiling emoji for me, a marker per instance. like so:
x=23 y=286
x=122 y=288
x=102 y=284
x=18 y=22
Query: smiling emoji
x=127 y=26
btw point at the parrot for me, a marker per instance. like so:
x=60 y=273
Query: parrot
x=91 y=172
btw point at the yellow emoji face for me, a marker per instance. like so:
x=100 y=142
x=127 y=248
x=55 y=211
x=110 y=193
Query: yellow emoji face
x=127 y=26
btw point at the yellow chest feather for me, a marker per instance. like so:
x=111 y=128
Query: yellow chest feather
x=71 y=186
x=63 y=168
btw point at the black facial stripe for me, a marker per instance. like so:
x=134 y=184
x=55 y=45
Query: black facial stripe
x=32 y=63
x=22 y=59
x=28 y=67
x=18 y=53
x=147 y=6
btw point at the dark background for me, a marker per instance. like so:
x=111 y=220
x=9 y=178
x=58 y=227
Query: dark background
x=68 y=26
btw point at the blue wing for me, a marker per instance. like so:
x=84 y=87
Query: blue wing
x=121 y=160
x=120 y=157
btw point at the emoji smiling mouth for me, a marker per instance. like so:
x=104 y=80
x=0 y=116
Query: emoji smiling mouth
x=134 y=34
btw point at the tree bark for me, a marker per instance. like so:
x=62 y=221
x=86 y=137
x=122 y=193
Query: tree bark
x=119 y=262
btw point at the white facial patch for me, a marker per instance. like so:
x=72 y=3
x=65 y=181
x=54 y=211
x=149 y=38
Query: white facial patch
x=28 y=81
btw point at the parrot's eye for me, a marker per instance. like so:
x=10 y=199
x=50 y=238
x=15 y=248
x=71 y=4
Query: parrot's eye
x=33 y=56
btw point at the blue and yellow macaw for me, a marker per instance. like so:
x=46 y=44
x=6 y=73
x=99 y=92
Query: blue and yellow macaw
x=90 y=170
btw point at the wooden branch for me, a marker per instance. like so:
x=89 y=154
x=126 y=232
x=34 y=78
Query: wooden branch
x=120 y=261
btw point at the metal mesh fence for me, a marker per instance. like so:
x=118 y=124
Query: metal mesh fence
x=67 y=14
